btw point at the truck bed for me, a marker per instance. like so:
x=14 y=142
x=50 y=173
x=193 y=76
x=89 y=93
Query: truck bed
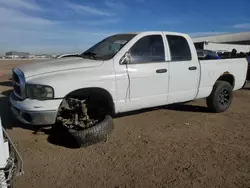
x=211 y=70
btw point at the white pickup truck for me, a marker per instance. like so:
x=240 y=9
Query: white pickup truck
x=125 y=72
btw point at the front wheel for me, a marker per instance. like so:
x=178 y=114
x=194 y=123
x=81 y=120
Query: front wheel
x=221 y=97
x=85 y=121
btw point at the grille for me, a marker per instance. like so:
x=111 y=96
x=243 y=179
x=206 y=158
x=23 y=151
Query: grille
x=18 y=83
x=15 y=77
x=17 y=89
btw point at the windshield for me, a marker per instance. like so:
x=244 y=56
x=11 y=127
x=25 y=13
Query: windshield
x=108 y=47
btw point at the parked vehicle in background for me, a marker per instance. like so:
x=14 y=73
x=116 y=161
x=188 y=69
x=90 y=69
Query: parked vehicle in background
x=222 y=53
x=11 y=163
x=207 y=54
x=216 y=46
x=122 y=73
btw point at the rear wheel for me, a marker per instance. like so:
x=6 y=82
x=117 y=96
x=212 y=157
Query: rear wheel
x=221 y=97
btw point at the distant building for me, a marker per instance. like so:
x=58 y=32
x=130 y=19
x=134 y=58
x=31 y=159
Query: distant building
x=224 y=42
x=229 y=38
x=20 y=54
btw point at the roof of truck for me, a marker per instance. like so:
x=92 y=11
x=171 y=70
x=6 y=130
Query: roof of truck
x=139 y=32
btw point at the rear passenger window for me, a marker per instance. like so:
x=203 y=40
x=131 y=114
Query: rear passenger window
x=179 y=48
x=148 y=49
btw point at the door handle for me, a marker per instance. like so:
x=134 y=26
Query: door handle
x=161 y=71
x=192 y=68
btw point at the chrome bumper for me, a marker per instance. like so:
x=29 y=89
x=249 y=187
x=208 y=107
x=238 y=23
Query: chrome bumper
x=43 y=117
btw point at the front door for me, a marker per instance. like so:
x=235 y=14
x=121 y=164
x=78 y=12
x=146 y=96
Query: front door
x=147 y=74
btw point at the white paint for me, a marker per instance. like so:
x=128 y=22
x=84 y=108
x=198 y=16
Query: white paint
x=145 y=89
x=183 y=83
x=35 y=105
x=56 y=65
x=211 y=70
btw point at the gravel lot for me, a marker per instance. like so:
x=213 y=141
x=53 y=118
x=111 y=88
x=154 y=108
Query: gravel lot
x=174 y=146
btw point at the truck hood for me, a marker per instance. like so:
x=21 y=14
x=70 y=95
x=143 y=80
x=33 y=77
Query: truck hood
x=55 y=65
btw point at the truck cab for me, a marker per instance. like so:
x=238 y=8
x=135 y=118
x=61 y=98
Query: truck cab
x=163 y=68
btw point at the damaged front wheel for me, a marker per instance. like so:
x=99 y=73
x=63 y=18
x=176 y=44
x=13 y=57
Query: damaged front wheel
x=86 y=128
x=94 y=134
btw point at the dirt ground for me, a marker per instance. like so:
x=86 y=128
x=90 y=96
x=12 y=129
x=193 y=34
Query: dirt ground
x=174 y=146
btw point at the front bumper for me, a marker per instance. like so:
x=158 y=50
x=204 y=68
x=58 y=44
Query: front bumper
x=35 y=112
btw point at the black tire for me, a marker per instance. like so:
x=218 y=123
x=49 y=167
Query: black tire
x=222 y=91
x=94 y=134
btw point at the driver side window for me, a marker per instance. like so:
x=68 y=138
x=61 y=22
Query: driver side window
x=148 y=49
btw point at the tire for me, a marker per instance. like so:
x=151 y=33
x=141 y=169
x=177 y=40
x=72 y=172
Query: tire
x=94 y=134
x=222 y=90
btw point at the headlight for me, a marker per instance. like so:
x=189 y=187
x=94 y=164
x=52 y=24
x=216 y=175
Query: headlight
x=40 y=92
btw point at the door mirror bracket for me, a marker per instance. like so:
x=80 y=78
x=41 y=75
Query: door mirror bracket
x=125 y=59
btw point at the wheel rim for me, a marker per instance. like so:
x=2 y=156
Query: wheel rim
x=224 y=98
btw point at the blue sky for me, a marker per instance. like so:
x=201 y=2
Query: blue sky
x=61 y=26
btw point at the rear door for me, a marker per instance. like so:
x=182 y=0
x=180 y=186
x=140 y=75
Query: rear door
x=184 y=69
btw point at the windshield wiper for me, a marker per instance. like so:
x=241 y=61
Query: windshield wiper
x=90 y=54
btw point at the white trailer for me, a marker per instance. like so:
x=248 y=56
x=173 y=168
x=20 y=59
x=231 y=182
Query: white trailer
x=220 y=47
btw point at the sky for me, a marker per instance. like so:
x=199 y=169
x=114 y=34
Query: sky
x=65 y=26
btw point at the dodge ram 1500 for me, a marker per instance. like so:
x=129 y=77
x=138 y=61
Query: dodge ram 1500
x=125 y=72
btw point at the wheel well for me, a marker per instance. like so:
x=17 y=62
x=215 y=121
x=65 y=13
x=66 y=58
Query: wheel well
x=227 y=77
x=99 y=95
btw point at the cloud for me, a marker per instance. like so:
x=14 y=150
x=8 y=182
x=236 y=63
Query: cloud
x=23 y=32
x=53 y=40
x=15 y=18
x=25 y=4
x=47 y=31
x=208 y=33
x=242 y=26
x=14 y=13
x=88 y=9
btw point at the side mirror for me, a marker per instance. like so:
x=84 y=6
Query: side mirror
x=125 y=59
